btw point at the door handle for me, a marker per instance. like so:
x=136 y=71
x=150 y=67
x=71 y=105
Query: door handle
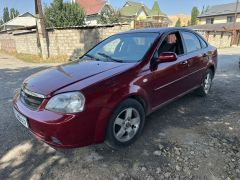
x=184 y=63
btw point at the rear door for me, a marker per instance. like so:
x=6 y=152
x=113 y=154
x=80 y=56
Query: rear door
x=197 y=57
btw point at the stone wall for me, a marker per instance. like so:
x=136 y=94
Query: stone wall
x=26 y=43
x=72 y=42
x=218 y=39
x=7 y=42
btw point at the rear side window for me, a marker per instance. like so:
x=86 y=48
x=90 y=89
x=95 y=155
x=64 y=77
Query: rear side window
x=191 y=41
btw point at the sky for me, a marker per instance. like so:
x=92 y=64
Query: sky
x=170 y=7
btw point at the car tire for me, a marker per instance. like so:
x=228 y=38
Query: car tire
x=126 y=124
x=206 y=84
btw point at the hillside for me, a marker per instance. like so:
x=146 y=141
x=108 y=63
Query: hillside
x=184 y=19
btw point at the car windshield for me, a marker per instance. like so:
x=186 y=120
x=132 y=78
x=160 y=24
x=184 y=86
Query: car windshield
x=127 y=48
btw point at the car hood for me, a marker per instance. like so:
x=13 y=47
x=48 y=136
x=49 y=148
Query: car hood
x=53 y=79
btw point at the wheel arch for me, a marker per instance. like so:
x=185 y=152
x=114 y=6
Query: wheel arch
x=133 y=92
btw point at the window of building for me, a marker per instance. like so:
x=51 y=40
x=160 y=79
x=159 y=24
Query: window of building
x=230 y=19
x=210 y=21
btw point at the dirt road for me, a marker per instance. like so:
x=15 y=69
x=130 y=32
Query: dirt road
x=192 y=138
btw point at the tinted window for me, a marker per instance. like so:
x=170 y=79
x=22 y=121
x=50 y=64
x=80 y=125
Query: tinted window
x=125 y=47
x=191 y=41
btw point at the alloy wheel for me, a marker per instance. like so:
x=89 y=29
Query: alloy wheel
x=126 y=124
x=207 y=83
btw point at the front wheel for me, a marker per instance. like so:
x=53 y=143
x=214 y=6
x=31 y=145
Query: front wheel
x=206 y=84
x=126 y=124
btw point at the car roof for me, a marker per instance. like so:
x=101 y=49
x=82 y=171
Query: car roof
x=156 y=30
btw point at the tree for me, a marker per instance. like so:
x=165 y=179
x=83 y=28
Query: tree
x=1 y=22
x=13 y=13
x=60 y=14
x=6 y=16
x=109 y=17
x=194 y=15
x=178 y=23
x=188 y=23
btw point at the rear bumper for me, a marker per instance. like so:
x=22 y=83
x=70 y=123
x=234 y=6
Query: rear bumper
x=64 y=130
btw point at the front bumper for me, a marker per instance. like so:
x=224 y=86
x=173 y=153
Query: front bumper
x=64 y=130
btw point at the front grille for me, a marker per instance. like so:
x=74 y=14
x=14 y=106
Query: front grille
x=30 y=101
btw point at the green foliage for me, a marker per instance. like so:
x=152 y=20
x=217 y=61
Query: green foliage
x=194 y=15
x=188 y=23
x=109 y=17
x=13 y=13
x=1 y=22
x=60 y=14
x=6 y=16
x=178 y=23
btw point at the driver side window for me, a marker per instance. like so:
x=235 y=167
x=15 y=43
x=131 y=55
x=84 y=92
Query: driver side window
x=172 y=43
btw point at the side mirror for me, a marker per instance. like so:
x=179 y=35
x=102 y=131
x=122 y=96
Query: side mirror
x=167 y=57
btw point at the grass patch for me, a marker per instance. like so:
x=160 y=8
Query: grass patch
x=37 y=59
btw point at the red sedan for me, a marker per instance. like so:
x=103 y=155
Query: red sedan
x=108 y=92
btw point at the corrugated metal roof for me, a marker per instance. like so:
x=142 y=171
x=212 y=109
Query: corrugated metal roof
x=92 y=7
x=221 y=10
x=24 y=20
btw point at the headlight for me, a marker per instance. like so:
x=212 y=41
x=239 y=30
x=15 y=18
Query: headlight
x=71 y=102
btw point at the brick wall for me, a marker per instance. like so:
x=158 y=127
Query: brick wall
x=72 y=42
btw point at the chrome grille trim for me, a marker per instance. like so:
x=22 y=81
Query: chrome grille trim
x=33 y=93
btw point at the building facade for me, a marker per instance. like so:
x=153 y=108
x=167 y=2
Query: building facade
x=218 y=14
x=93 y=9
x=22 y=21
x=133 y=12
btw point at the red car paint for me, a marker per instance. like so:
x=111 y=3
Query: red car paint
x=105 y=85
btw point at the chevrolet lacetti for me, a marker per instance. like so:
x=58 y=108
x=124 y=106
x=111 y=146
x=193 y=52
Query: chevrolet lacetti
x=106 y=94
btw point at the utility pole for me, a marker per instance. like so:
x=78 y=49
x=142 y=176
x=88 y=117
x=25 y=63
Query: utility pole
x=41 y=30
x=234 y=37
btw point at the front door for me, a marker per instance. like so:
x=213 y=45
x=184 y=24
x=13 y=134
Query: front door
x=170 y=78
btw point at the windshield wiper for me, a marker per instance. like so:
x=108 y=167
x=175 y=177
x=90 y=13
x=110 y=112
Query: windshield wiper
x=92 y=57
x=109 y=57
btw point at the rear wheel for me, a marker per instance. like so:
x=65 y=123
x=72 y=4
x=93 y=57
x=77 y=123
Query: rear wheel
x=126 y=124
x=206 y=84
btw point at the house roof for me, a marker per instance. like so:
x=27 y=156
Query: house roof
x=23 y=20
x=131 y=8
x=223 y=9
x=217 y=27
x=91 y=7
x=156 y=11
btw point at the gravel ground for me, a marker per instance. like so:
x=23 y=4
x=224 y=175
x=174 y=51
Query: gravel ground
x=192 y=138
